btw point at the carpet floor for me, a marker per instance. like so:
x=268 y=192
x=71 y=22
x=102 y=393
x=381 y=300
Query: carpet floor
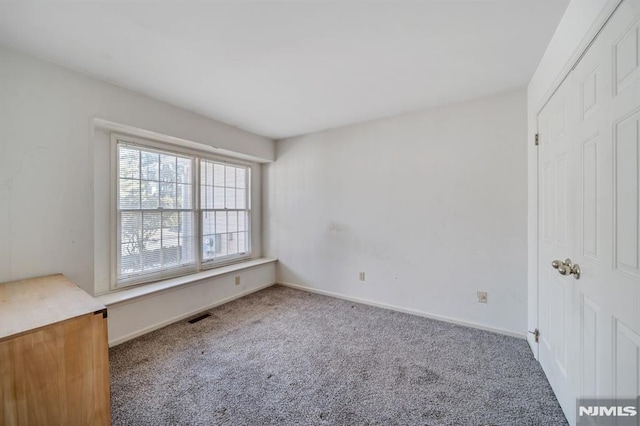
x=287 y=357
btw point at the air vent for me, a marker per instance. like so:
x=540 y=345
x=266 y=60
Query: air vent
x=199 y=318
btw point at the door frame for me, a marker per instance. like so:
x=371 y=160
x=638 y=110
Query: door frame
x=533 y=163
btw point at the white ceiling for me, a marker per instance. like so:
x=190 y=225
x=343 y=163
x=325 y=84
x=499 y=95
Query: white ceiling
x=284 y=68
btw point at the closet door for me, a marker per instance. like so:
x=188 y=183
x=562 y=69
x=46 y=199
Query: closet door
x=555 y=291
x=589 y=171
x=607 y=143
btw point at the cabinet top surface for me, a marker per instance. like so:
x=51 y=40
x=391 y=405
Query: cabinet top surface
x=29 y=304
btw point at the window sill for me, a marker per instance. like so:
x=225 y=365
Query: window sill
x=118 y=296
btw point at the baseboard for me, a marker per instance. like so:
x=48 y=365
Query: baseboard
x=154 y=327
x=405 y=310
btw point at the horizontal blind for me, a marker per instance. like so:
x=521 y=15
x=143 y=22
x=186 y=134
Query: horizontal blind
x=225 y=210
x=156 y=213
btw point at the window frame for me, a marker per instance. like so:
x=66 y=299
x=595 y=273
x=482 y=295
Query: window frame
x=200 y=263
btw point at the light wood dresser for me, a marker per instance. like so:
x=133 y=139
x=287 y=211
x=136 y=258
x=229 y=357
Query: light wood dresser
x=54 y=356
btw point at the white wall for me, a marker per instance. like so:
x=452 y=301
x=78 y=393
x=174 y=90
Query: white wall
x=47 y=186
x=135 y=317
x=430 y=205
x=579 y=25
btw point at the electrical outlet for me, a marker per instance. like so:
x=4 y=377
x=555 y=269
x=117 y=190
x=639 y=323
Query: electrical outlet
x=238 y=280
x=361 y=276
x=482 y=297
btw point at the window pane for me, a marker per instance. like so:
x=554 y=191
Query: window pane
x=153 y=241
x=150 y=194
x=222 y=250
x=232 y=244
x=206 y=196
x=243 y=246
x=151 y=224
x=218 y=175
x=128 y=163
x=129 y=194
x=184 y=170
x=169 y=223
x=232 y=221
x=184 y=196
x=206 y=185
x=170 y=252
x=168 y=195
x=216 y=234
x=218 y=198
x=170 y=238
x=242 y=223
x=221 y=222
x=130 y=227
x=154 y=180
x=230 y=200
x=150 y=166
x=129 y=260
x=223 y=187
x=208 y=223
x=206 y=173
x=241 y=178
x=186 y=237
x=241 y=202
x=230 y=178
x=209 y=246
x=167 y=168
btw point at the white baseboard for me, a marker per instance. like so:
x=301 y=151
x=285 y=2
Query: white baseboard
x=405 y=310
x=151 y=328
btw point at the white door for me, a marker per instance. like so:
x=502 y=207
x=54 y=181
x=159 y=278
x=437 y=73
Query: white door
x=555 y=241
x=590 y=327
x=607 y=143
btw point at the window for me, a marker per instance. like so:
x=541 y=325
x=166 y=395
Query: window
x=223 y=202
x=177 y=212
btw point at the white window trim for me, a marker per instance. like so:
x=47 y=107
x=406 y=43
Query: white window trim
x=126 y=294
x=200 y=265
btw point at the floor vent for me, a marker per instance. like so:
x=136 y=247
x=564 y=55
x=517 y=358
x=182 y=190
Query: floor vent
x=199 y=318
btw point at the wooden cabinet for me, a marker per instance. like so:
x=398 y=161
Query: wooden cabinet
x=54 y=356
